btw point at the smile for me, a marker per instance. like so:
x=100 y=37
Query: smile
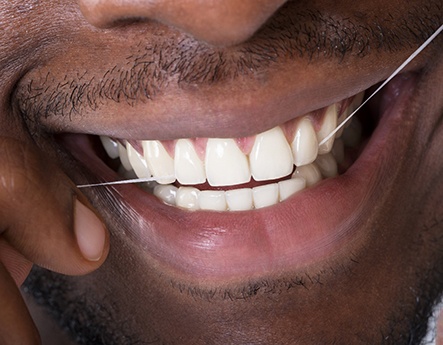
x=261 y=218
x=216 y=173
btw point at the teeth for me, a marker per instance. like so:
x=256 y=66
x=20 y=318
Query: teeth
x=138 y=162
x=327 y=165
x=187 y=197
x=166 y=193
x=239 y=199
x=225 y=164
x=188 y=167
x=311 y=173
x=271 y=156
x=110 y=146
x=288 y=188
x=266 y=195
x=328 y=125
x=212 y=200
x=305 y=144
x=159 y=161
x=124 y=157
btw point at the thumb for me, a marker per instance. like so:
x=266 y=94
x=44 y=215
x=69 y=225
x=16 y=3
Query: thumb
x=44 y=217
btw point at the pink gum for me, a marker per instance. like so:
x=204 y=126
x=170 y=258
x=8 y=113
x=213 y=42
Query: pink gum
x=246 y=143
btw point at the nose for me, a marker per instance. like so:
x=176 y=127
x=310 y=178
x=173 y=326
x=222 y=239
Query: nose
x=218 y=22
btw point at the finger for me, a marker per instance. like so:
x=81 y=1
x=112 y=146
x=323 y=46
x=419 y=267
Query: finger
x=43 y=217
x=16 y=325
x=15 y=263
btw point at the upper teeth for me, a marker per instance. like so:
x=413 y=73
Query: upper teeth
x=223 y=162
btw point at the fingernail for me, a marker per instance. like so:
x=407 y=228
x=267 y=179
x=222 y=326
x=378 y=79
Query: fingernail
x=89 y=231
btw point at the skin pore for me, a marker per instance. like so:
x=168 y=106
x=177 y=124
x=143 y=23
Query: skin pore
x=355 y=259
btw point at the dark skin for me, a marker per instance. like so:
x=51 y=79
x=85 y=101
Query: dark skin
x=379 y=270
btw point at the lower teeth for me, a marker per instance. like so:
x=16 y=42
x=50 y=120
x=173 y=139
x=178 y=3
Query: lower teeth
x=266 y=194
x=243 y=199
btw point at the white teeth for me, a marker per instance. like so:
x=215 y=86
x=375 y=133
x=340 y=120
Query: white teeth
x=309 y=172
x=124 y=157
x=137 y=162
x=110 y=146
x=188 y=167
x=239 y=199
x=328 y=125
x=288 y=188
x=225 y=164
x=305 y=144
x=187 y=197
x=212 y=200
x=159 y=161
x=327 y=165
x=265 y=196
x=166 y=193
x=271 y=156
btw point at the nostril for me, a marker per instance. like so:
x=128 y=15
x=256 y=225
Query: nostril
x=222 y=22
x=105 y=14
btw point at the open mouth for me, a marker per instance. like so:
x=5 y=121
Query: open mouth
x=225 y=207
x=227 y=174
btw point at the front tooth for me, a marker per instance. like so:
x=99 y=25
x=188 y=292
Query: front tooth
x=239 y=199
x=159 y=161
x=166 y=193
x=271 y=156
x=225 y=163
x=137 y=162
x=266 y=195
x=328 y=125
x=290 y=187
x=213 y=200
x=305 y=144
x=188 y=166
x=309 y=172
x=110 y=146
x=327 y=165
x=124 y=157
x=187 y=197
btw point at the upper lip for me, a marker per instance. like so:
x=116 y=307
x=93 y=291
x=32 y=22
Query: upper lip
x=217 y=111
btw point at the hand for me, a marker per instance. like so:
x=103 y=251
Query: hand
x=45 y=221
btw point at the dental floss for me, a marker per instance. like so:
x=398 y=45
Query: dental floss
x=135 y=180
x=403 y=65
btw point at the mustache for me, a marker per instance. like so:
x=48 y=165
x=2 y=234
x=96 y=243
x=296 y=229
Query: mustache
x=290 y=36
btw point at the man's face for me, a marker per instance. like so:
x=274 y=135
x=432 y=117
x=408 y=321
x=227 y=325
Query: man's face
x=347 y=251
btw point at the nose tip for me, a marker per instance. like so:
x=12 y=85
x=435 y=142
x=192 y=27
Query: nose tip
x=218 y=22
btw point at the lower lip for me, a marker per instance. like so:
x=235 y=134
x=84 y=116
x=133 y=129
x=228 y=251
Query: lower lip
x=313 y=226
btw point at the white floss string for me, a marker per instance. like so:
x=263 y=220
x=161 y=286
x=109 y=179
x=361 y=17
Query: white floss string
x=403 y=65
x=135 y=180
